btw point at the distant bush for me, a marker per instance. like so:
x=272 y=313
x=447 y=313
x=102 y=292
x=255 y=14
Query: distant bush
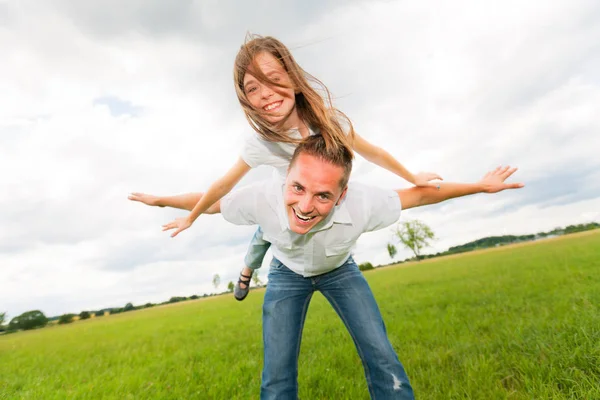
x=84 y=315
x=365 y=266
x=177 y=299
x=66 y=319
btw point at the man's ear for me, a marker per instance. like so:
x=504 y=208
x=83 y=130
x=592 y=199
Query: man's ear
x=342 y=196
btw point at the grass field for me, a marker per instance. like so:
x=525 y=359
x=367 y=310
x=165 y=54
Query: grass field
x=519 y=322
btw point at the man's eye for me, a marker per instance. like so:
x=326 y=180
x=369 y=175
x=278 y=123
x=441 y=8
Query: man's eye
x=323 y=197
x=297 y=188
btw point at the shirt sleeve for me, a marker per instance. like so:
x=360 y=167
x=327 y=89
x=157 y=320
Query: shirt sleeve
x=253 y=152
x=241 y=207
x=382 y=208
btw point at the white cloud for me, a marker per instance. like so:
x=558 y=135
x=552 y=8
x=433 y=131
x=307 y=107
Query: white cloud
x=455 y=88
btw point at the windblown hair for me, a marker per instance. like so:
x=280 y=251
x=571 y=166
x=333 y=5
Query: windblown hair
x=315 y=110
x=316 y=146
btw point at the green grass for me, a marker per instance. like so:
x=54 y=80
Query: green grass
x=520 y=322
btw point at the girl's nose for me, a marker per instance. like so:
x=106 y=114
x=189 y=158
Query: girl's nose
x=266 y=92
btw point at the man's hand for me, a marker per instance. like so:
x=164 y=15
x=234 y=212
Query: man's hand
x=422 y=179
x=493 y=181
x=180 y=224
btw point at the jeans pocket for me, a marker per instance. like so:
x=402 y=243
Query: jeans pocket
x=276 y=264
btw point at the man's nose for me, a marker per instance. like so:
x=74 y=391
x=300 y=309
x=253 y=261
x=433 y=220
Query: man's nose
x=305 y=204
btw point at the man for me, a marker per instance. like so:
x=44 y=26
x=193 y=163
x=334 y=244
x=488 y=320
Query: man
x=313 y=220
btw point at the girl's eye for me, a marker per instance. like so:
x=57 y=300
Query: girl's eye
x=251 y=89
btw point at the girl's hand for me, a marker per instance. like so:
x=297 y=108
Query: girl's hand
x=147 y=199
x=422 y=179
x=180 y=224
x=493 y=181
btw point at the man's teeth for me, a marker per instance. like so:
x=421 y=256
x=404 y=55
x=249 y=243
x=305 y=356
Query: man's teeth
x=302 y=218
x=269 y=107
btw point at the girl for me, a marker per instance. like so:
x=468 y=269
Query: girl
x=282 y=107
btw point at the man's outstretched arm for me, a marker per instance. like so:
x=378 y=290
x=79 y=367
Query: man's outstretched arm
x=492 y=182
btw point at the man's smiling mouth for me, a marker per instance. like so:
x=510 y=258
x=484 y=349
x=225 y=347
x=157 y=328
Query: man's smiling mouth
x=303 y=218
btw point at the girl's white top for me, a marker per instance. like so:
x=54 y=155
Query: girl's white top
x=257 y=152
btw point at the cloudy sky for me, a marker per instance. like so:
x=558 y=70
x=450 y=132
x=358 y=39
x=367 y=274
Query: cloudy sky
x=101 y=98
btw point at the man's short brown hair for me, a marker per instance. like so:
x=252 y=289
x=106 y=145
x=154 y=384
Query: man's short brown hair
x=340 y=155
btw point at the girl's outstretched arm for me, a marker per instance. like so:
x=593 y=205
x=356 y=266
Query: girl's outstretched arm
x=380 y=157
x=215 y=192
x=185 y=201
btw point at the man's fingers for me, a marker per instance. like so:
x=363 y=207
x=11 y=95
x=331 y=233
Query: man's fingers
x=170 y=225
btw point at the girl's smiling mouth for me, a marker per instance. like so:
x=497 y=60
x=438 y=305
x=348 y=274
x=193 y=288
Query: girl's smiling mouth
x=273 y=106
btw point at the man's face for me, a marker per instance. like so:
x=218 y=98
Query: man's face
x=312 y=189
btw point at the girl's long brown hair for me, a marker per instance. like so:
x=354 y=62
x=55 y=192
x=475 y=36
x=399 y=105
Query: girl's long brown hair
x=315 y=110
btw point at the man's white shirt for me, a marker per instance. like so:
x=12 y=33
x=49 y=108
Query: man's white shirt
x=329 y=244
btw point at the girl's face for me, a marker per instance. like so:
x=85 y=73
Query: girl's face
x=273 y=102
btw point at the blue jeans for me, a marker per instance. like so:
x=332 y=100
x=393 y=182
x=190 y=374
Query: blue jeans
x=284 y=311
x=256 y=250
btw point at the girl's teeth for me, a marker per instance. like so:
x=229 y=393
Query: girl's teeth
x=271 y=106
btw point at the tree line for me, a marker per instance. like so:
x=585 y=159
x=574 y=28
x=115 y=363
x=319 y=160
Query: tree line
x=414 y=235
x=37 y=319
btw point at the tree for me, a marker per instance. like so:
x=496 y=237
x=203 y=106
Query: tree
x=84 y=315
x=230 y=286
x=391 y=250
x=415 y=235
x=365 y=266
x=216 y=281
x=28 y=320
x=2 y=318
x=65 y=319
x=128 y=307
x=256 y=279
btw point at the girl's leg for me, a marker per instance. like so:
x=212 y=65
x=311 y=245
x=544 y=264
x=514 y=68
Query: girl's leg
x=185 y=201
x=253 y=260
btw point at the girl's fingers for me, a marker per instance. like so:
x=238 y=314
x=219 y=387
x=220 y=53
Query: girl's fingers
x=509 y=172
